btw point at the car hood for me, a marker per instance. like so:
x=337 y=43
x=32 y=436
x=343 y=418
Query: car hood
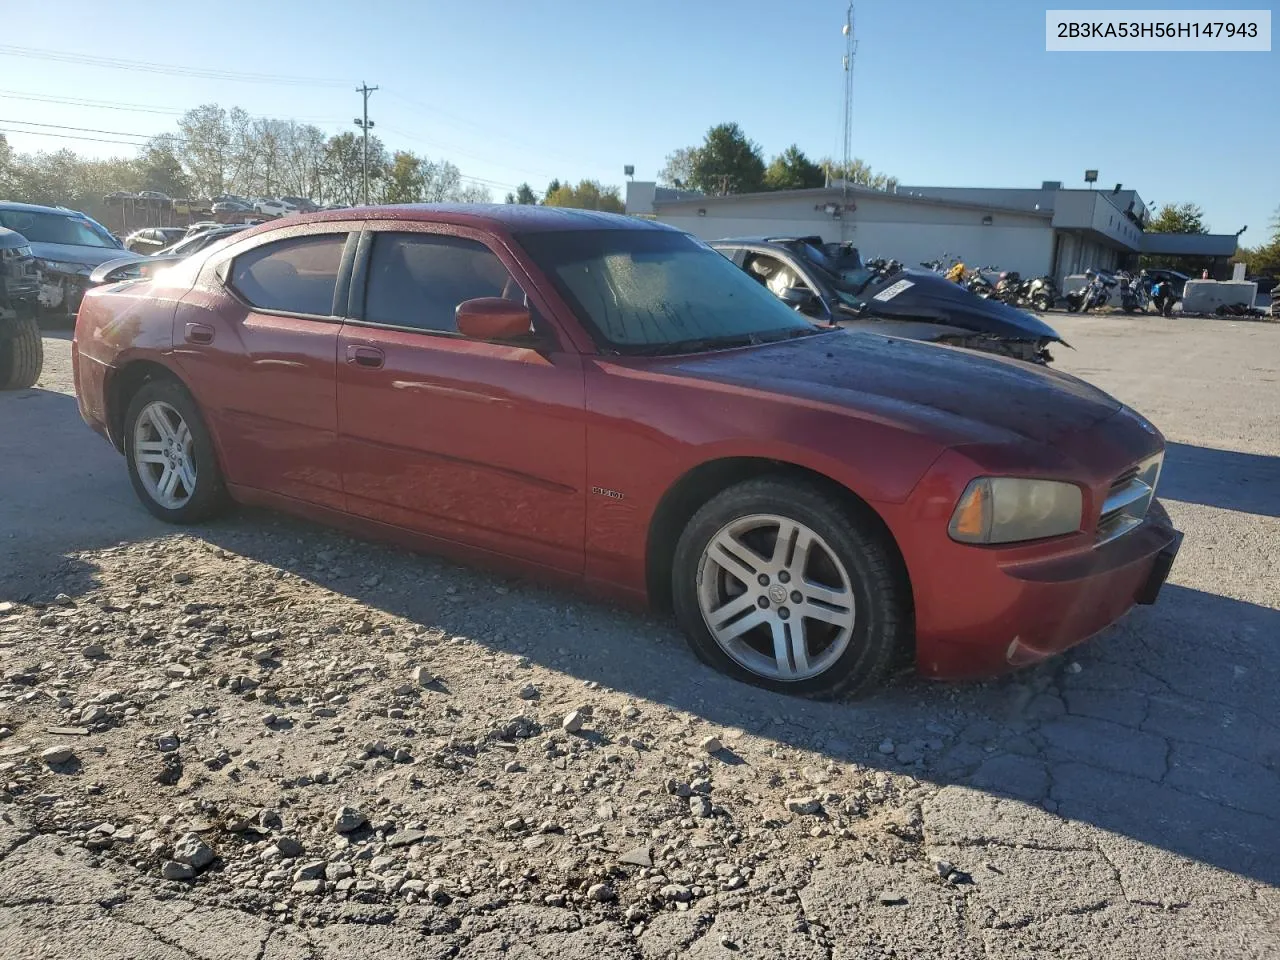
x=89 y=257
x=961 y=395
x=924 y=295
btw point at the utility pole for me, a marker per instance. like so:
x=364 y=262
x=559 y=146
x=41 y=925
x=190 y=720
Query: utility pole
x=364 y=123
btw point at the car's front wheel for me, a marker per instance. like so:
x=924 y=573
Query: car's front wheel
x=21 y=354
x=782 y=584
x=172 y=462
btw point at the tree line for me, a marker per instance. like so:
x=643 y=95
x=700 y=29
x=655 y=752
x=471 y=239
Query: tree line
x=1262 y=260
x=728 y=161
x=217 y=151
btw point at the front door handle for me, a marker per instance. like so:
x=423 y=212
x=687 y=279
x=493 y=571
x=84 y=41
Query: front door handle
x=364 y=356
x=199 y=333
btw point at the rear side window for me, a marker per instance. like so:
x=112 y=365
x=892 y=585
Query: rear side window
x=418 y=280
x=293 y=276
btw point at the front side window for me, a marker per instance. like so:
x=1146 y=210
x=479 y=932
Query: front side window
x=659 y=291
x=417 y=279
x=297 y=275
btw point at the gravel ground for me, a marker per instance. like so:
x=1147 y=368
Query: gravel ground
x=263 y=739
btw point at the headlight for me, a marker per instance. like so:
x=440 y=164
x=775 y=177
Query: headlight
x=59 y=266
x=1008 y=510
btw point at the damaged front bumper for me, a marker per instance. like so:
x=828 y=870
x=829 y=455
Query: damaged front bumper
x=62 y=285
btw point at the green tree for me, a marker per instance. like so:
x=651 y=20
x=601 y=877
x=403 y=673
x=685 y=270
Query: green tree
x=792 y=170
x=7 y=172
x=160 y=168
x=344 y=169
x=587 y=195
x=678 y=170
x=857 y=172
x=1264 y=259
x=727 y=162
x=1178 y=218
x=525 y=195
x=552 y=187
x=403 y=182
x=206 y=154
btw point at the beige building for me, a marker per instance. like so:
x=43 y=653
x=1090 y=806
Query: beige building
x=1049 y=230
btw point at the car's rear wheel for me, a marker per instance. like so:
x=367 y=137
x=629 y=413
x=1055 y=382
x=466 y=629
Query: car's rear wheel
x=172 y=462
x=21 y=354
x=784 y=585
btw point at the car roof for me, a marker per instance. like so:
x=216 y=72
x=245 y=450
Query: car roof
x=511 y=217
x=37 y=208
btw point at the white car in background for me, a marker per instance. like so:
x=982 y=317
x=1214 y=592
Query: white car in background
x=273 y=208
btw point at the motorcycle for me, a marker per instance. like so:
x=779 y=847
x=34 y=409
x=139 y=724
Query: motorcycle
x=1092 y=295
x=1133 y=295
x=1041 y=293
x=1009 y=288
x=977 y=283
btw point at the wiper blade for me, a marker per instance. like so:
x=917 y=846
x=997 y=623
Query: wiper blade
x=694 y=345
x=799 y=332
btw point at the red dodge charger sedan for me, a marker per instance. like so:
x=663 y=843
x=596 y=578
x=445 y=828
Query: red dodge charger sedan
x=608 y=401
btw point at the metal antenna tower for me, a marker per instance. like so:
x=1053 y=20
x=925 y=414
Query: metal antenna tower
x=850 y=50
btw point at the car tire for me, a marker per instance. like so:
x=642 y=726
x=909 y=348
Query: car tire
x=21 y=355
x=186 y=449
x=848 y=563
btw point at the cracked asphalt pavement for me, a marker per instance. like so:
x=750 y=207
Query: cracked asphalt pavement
x=262 y=739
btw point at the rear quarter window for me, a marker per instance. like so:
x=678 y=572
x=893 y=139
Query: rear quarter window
x=297 y=275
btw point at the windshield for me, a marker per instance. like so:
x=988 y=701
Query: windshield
x=653 y=291
x=57 y=228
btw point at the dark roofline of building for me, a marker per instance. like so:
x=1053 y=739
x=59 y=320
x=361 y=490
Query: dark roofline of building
x=837 y=192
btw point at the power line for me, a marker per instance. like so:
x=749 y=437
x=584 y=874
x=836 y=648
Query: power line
x=94 y=104
x=130 y=107
x=69 y=136
x=452 y=150
x=486 y=128
x=173 y=70
x=117 y=133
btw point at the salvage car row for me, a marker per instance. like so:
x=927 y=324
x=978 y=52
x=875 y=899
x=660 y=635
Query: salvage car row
x=608 y=402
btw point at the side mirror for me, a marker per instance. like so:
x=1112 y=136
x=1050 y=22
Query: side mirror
x=493 y=318
x=798 y=297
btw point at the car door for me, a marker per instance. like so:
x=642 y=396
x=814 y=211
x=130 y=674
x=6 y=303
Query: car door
x=258 y=340
x=476 y=442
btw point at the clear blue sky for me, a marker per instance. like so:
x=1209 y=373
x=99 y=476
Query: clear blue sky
x=955 y=93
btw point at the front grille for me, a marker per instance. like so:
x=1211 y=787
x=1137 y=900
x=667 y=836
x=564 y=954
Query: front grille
x=1128 y=499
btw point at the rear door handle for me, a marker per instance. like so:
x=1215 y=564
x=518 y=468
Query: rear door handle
x=199 y=333
x=364 y=356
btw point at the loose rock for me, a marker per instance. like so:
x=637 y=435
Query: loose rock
x=173 y=870
x=55 y=756
x=193 y=851
x=348 y=819
x=805 y=806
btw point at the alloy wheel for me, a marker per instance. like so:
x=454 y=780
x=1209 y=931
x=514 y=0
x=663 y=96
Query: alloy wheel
x=775 y=597
x=164 y=456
